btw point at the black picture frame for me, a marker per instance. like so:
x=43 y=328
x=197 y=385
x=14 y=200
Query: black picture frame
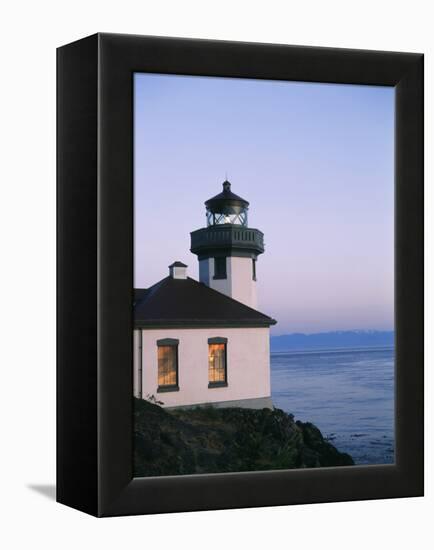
x=95 y=274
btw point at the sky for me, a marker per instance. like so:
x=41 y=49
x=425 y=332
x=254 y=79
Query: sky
x=316 y=163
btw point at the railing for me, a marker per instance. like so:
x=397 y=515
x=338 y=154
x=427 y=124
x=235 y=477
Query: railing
x=221 y=236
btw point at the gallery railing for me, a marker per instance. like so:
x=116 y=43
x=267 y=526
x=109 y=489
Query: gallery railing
x=227 y=236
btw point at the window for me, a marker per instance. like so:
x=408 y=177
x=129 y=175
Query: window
x=219 y=268
x=254 y=269
x=217 y=369
x=219 y=218
x=167 y=365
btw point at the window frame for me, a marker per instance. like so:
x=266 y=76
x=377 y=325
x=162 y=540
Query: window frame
x=219 y=340
x=168 y=342
x=218 y=276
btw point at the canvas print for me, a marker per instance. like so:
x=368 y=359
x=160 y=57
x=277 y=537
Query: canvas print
x=263 y=275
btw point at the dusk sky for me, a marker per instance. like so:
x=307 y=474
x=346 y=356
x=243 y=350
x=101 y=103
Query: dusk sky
x=316 y=163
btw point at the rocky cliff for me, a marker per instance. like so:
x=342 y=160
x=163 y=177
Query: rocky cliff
x=208 y=440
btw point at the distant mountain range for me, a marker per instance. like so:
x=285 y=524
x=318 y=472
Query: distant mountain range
x=337 y=339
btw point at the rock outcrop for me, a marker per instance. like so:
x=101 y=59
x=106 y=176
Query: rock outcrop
x=209 y=440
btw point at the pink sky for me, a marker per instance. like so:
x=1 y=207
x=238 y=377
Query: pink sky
x=316 y=163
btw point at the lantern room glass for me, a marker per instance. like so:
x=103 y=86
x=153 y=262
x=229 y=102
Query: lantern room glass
x=217 y=218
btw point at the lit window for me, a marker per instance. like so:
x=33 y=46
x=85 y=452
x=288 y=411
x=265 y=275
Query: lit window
x=217 y=368
x=167 y=364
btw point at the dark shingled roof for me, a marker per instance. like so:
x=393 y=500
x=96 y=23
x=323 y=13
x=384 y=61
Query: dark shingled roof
x=139 y=293
x=187 y=303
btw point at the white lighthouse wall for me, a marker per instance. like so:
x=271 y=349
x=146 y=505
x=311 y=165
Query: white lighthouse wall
x=239 y=283
x=242 y=282
x=248 y=367
x=222 y=285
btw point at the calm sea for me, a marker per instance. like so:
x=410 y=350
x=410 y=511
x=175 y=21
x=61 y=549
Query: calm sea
x=348 y=394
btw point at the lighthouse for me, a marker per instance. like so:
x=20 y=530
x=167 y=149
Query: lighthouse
x=227 y=248
x=202 y=343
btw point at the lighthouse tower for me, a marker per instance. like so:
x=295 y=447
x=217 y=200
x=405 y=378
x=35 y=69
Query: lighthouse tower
x=227 y=249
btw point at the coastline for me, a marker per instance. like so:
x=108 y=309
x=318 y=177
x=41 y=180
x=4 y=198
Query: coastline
x=348 y=393
x=211 y=440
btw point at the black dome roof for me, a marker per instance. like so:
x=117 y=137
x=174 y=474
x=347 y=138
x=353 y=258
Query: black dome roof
x=225 y=198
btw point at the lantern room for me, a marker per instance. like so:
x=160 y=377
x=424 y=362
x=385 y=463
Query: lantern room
x=227 y=249
x=226 y=208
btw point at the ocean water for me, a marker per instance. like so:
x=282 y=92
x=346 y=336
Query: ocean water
x=348 y=394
